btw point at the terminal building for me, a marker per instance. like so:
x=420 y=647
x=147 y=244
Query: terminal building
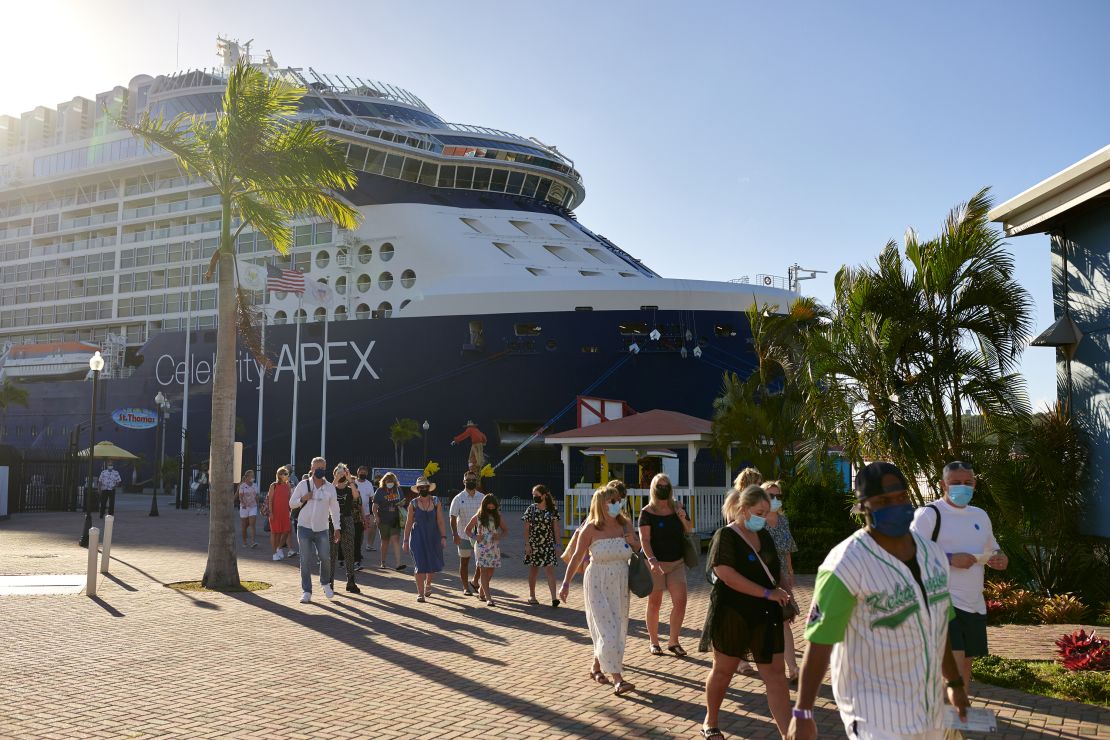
x=1072 y=208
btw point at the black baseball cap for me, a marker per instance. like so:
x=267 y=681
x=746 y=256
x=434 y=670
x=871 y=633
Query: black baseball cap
x=878 y=478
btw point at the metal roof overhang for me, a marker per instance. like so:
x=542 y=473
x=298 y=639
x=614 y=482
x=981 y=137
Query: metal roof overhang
x=631 y=442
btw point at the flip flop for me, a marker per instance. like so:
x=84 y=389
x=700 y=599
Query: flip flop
x=599 y=677
x=533 y=602
x=677 y=650
x=623 y=687
x=711 y=732
x=656 y=650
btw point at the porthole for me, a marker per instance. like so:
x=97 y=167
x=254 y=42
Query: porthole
x=403 y=304
x=341 y=285
x=300 y=316
x=320 y=314
x=386 y=252
x=385 y=310
x=362 y=312
x=385 y=280
x=340 y=313
x=365 y=253
x=279 y=295
x=408 y=279
x=363 y=283
x=322 y=258
x=280 y=318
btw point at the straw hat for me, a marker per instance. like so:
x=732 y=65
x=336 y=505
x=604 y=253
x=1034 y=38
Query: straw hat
x=422 y=481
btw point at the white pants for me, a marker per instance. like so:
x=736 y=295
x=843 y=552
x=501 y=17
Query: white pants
x=867 y=733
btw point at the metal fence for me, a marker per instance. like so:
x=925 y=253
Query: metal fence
x=47 y=484
x=702 y=504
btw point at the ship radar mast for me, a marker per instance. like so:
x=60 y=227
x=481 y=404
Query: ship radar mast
x=231 y=51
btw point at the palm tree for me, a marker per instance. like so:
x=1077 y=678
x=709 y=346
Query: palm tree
x=402 y=431
x=268 y=168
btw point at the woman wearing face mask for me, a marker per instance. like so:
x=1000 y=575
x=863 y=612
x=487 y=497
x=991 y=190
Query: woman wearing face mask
x=387 y=514
x=541 y=535
x=779 y=529
x=663 y=526
x=348 y=497
x=610 y=543
x=425 y=536
x=745 y=606
x=485 y=530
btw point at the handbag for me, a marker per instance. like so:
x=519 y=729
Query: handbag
x=639 y=575
x=691 y=549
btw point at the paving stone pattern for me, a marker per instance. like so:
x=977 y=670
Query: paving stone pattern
x=142 y=661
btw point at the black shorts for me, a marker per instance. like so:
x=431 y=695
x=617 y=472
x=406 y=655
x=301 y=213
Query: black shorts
x=968 y=632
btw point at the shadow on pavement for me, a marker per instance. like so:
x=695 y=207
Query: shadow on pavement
x=106 y=606
x=201 y=603
x=125 y=586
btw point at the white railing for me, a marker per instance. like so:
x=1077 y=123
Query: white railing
x=702 y=504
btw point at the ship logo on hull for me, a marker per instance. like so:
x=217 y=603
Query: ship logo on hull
x=344 y=361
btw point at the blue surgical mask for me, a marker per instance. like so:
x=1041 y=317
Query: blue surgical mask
x=961 y=494
x=776 y=504
x=893 y=521
x=755 y=523
x=615 y=508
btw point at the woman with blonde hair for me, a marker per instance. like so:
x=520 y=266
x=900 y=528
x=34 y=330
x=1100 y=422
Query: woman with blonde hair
x=663 y=525
x=779 y=529
x=745 y=607
x=387 y=514
x=747 y=477
x=609 y=541
x=277 y=503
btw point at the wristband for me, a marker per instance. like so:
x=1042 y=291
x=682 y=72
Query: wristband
x=801 y=713
x=766 y=593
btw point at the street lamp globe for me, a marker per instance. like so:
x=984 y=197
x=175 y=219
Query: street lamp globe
x=426 y=426
x=96 y=362
x=160 y=400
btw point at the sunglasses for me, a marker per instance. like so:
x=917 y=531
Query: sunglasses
x=283 y=475
x=958 y=465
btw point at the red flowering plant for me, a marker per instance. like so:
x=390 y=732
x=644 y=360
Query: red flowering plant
x=1082 y=652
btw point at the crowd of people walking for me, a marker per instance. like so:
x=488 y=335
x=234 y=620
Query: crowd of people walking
x=897 y=611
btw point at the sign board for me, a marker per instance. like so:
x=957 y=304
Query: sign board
x=133 y=418
x=406 y=477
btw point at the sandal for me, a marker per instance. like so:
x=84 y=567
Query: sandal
x=533 y=601
x=623 y=687
x=748 y=670
x=677 y=650
x=711 y=732
x=599 y=677
x=554 y=603
x=656 y=650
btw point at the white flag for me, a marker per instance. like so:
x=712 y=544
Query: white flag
x=318 y=294
x=252 y=277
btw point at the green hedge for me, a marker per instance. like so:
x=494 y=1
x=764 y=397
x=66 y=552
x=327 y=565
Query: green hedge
x=820 y=516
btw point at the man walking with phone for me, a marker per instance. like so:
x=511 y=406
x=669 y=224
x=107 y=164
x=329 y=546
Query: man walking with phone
x=315 y=500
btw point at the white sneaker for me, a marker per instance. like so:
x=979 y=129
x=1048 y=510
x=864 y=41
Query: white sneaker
x=279 y=556
x=306 y=597
x=329 y=592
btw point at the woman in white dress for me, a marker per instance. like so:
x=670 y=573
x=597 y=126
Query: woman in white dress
x=610 y=542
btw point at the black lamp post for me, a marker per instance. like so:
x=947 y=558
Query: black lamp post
x=96 y=364
x=426 y=426
x=159 y=439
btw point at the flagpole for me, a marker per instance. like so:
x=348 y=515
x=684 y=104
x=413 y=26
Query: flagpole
x=181 y=491
x=261 y=387
x=296 y=384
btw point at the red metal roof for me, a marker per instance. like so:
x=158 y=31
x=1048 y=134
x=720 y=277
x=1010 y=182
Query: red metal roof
x=52 y=348
x=654 y=423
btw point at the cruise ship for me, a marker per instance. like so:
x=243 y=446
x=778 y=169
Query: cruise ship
x=469 y=293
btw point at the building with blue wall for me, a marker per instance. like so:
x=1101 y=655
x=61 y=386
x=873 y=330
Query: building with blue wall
x=1073 y=209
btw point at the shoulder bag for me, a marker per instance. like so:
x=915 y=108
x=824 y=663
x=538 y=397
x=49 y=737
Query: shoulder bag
x=639 y=573
x=789 y=609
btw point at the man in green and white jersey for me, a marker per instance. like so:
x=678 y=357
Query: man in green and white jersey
x=880 y=612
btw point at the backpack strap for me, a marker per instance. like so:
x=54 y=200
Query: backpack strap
x=936 y=527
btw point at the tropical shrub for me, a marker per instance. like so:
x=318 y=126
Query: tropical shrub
x=819 y=510
x=1060 y=609
x=1104 y=615
x=1082 y=652
x=1016 y=607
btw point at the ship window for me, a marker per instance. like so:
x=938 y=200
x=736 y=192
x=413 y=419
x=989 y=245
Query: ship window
x=428 y=174
x=320 y=314
x=476 y=225
x=340 y=313
x=411 y=170
x=600 y=255
x=279 y=295
x=498 y=181
x=363 y=283
x=447 y=176
x=393 y=164
x=374 y=162
x=527 y=330
x=590 y=349
x=516 y=179
x=561 y=253
x=356 y=156
x=299 y=316
x=385 y=252
x=464 y=177
x=527 y=227
x=633 y=328
x=583 y=308
x=508 y=250
x=341 y=285
x=724 y=330
x=403 y=304
x=537 y=271
x=385 y=280
x=280 y=317
x=627 y=274
x=589 y=273
x=322 y=258
x=408 y=278
x=362 y=312
x=649 y=308
x=564 y=230
x=530 y=184
x=385 y=310
x=365 y=253
x=481 y=178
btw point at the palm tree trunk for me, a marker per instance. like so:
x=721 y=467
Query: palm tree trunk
x=222 y=570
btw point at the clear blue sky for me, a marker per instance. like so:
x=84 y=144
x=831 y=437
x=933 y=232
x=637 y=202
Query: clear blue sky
x=716 y=139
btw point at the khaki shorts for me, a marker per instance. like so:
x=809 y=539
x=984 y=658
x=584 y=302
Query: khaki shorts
x=673 y=574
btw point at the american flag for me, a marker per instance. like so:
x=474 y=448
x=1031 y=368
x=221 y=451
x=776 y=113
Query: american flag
x=290 y=281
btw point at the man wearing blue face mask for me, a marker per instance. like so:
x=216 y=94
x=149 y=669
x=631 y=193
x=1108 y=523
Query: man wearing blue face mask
x=964 y=533
x=880 y=614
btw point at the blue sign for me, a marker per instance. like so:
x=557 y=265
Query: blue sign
x=406 y=477
x=135 y=418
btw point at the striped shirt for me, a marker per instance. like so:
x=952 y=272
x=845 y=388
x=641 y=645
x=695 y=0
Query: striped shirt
x=888 y=636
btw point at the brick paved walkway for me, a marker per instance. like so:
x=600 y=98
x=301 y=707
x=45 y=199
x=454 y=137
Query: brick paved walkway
x=142 y=660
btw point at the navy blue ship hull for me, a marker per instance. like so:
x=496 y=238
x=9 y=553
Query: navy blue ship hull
x=428 y=369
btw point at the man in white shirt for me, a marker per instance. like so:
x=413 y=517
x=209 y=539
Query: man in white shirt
x=464 y=506
x=315 y=498
x=966 y=536
x=107 y=482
